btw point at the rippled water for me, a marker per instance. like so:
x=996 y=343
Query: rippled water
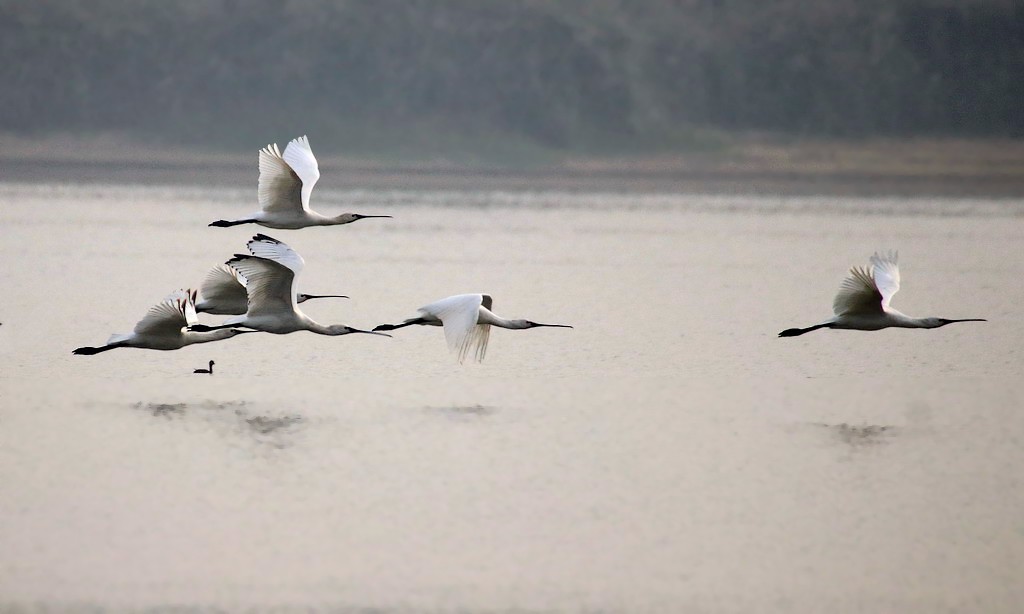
x=670 y=453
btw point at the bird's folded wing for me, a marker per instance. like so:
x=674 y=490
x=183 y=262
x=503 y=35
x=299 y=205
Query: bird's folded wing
x=887 y=275
x=300 y=158
x=857 y=294
x=279 y=189
x=269 y=284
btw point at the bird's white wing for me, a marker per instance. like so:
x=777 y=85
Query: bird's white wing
x=270 y=285
x=459 y=314
x=168 y=317
x=270 y=248
x=300 y=157
x=857 y=294
x=224 y=290
x=279 y=189
x=887 y=275
x=475 y=343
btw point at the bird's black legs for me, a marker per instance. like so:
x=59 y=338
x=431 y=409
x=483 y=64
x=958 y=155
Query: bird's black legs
x=226 y=223
x=403 y=324
x=89 y=351
x=796 y=332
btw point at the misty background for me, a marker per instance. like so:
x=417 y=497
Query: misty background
x=509 y=81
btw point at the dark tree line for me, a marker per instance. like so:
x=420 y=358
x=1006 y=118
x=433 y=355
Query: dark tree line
x=576 y=74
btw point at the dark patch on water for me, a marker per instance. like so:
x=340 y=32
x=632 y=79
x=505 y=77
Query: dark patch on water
x=463 y=411
x=859 y=434
x=266 y=429
x=165 y=410
x=265 y=425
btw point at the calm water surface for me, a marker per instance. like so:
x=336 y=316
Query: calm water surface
x=670 y=453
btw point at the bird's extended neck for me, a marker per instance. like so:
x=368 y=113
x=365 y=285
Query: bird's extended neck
x=190 y=336
x=486 y=316
x=321 y=329
x=905 y=321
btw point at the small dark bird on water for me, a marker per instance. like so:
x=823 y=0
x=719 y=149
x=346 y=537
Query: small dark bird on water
x=210 y=370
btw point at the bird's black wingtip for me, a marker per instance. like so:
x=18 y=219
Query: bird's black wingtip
x=262 y=237
x=381 y=327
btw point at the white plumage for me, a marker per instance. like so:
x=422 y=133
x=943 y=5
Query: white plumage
x=284 y=189
x=864 y=301
x=270 y=271
x=163 y=326
x=467 y=321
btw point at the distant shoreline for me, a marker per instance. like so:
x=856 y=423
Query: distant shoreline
x=956 y=168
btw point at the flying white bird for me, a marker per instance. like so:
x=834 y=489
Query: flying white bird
x=161 y=329
x=270 y=272
x=863 y=302
x=223 y=293
x=467 y=321
x=285 y=183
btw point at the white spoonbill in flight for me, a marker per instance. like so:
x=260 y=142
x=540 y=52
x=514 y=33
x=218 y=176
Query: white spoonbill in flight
x=467 y=321
x=270 y=272
x=223 y=293
x=285 y=183
x=863 y=302
x=161 y=329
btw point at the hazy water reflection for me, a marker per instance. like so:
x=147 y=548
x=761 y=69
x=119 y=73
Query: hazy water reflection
x=669 y=453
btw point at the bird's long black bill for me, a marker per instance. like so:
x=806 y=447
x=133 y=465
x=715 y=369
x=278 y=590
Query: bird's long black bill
x=368 y=332
x=363 y=217
x=965 y=320
x=553 y=325
x=312 y=296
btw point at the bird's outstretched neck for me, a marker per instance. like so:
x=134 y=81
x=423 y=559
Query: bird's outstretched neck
x=402 y=325
x=796 y=332
x=227 y=223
